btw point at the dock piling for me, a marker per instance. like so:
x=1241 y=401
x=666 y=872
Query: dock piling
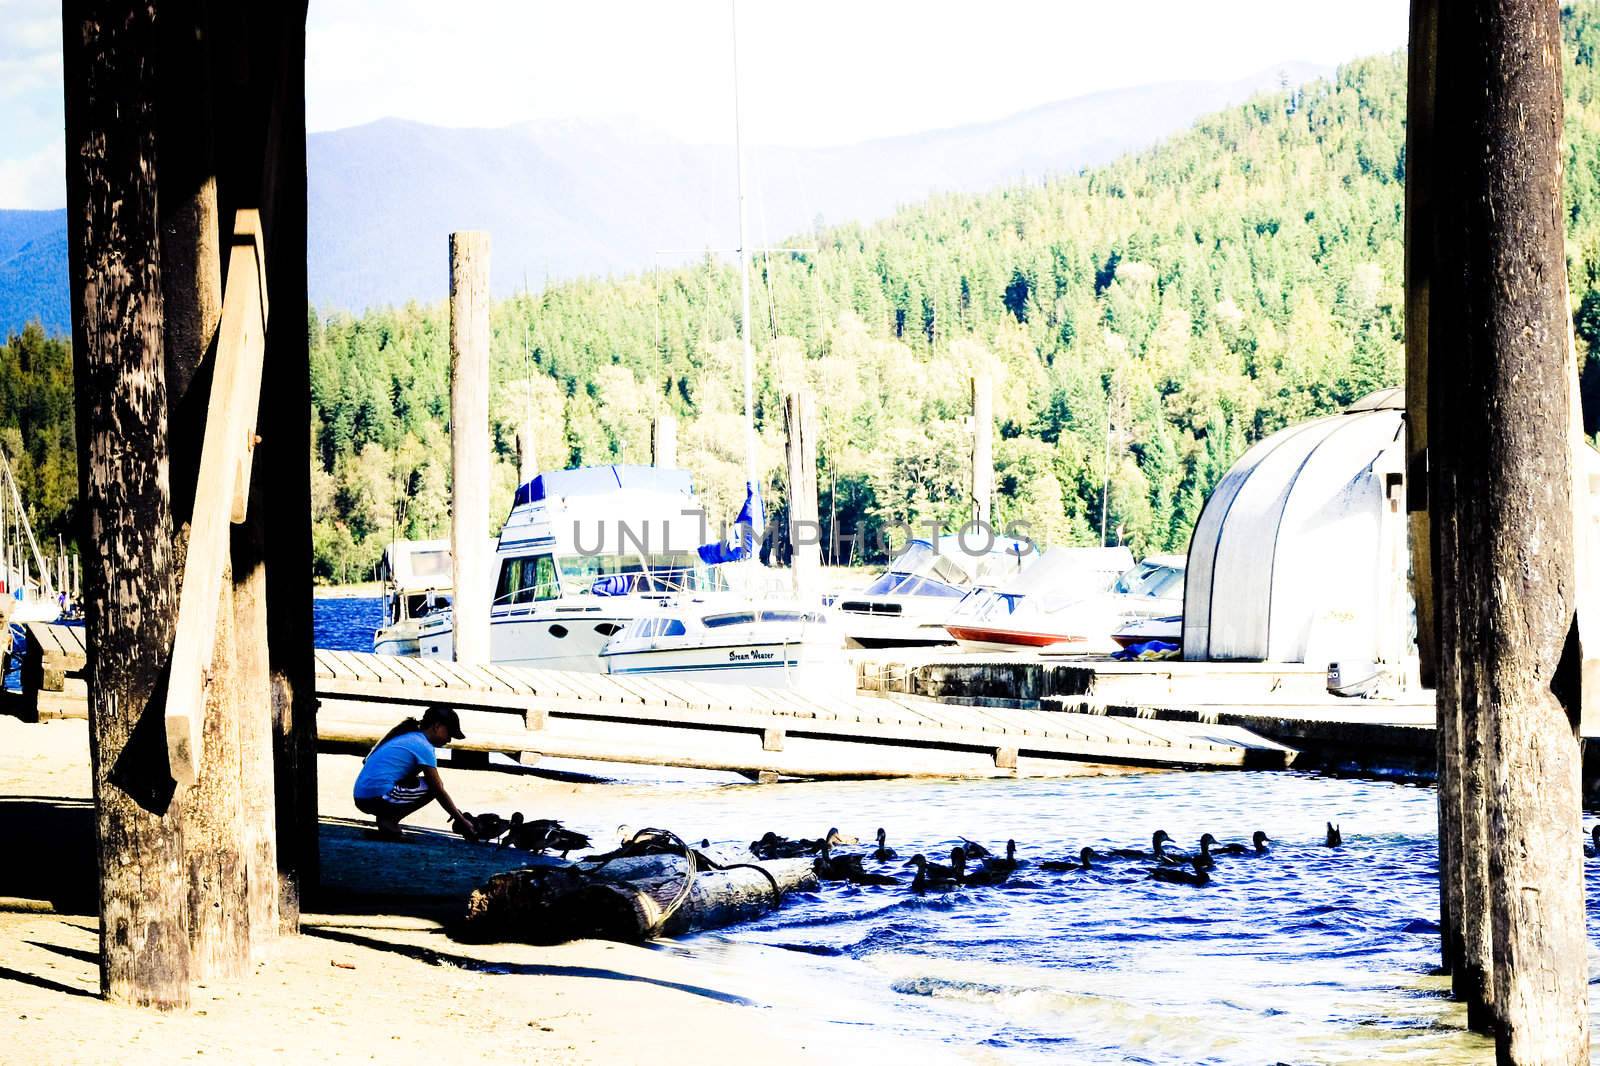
x=800 y=428
x=469 y=442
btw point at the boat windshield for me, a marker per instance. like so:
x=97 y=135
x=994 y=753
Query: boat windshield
x=1151 y=579
x=631 y=572
x=920 y=571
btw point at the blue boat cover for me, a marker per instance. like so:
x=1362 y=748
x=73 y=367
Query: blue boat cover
x=599 y=480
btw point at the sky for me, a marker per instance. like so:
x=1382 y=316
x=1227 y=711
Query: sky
x=814 y=73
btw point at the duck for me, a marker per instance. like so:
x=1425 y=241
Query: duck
x=1197 y=877
x=992 y=871
x=882 y=853
x=488 y=826
x=1084 y=858
x=934 y=871
x=831 y=867
x=973 y=849
x=1259 y=839
x=1203 y=860
x=1593 y=850
x=773 y=846
x=1009 y=863
x=1335 y=838
x=1159 y=838
x=922 y=884
x=541 y=835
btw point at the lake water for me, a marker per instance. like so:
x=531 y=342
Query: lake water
x=1309 y=954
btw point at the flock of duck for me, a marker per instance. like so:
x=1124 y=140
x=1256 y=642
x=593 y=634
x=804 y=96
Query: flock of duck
x=971 y=864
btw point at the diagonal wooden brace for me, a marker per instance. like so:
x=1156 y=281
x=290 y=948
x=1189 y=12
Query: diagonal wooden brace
x=221 y=492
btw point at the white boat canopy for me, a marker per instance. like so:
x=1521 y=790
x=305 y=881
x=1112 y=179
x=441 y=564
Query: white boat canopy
x=1300 y=553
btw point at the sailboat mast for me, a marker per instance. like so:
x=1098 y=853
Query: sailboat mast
x=744 y=268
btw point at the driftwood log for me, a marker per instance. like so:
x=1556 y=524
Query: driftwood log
x=552 y=906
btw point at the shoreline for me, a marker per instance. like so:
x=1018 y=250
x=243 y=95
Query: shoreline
x=356 y=983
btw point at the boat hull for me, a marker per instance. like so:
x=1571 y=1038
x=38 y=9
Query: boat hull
x=990 y=638
x=763 y=664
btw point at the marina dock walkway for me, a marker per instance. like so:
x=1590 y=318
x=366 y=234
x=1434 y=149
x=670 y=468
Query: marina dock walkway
x=756 y=731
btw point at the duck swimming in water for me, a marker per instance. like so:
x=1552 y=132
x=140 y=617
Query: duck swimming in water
x=993 y=870
x=1593 y=850
x=1174 y=876
x=974 y=850
x=938 y=871
x=1084 y=858
x=882 y=853
x=831 y=867
x=1335 y=838
x=1159 y=838
x=1203 y=860
x=1260 y=840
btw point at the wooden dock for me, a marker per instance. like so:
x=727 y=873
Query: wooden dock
x=53 y=673
x=759 y=732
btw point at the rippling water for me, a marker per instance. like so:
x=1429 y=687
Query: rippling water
x=346 y=623
x=1309 y=954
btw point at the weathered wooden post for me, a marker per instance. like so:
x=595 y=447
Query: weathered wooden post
x=469 y=442
x=1500 y=499
x=111 y=65
x=982 y=446
x=805 y=532
x=1421 y=91
x=664 y=441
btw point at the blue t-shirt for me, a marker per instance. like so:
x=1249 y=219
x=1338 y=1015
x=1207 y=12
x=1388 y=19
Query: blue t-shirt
x=395 y=761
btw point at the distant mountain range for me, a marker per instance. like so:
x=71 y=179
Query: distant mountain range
x=587 y=198
x=33 y=271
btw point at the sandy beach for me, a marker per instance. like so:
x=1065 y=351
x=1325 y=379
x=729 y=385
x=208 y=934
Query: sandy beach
x=373 y=987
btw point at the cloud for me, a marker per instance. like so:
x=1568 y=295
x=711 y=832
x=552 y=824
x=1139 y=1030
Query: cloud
x=38 y=181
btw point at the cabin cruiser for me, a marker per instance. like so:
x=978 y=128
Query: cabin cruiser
x=590 y=554
x=907 y=605
x=1056 y=611
x=582 y=554
x=417 y=578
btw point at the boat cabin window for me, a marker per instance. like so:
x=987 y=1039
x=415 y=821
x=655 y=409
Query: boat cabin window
x=527 y=579
x=714 y=621
x=808 y=617
x=659 y=627
x=431 y=563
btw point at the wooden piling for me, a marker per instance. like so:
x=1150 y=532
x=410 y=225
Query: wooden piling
x=469 y=442
x=277 y=64
x=982 y=447
x=112 y=67
x=805 y=532
x=1501 y=500
x=664 y=441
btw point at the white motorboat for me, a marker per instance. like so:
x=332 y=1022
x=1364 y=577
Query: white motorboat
x=583 y=553
x=770 y=644
x=1059 y=613
x=1006 y=617
x=908 y=604
x=417 y=580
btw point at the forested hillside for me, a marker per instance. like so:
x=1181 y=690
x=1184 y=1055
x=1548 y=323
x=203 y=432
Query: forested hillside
x=1235 y=279
x=1194 y=297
